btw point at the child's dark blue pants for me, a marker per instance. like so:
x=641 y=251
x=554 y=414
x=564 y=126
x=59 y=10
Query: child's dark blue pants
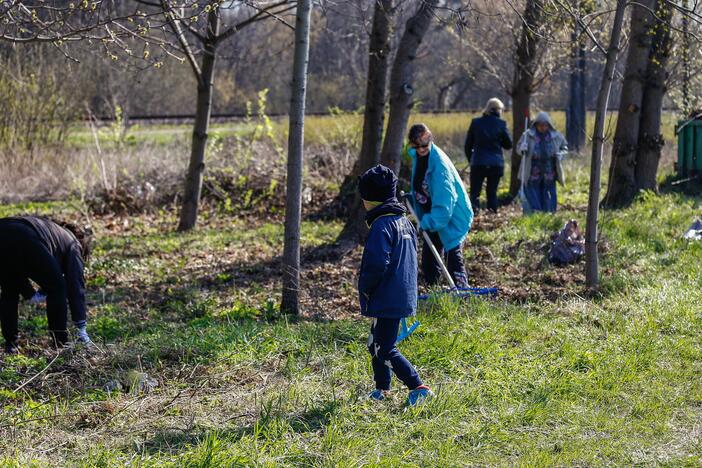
x=386 y=358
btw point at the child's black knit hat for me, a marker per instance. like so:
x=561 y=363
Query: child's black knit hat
x=377 y=184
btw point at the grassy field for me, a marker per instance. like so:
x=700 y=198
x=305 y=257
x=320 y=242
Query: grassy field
x=544 y=375
x=126 y=160
x=333 y=130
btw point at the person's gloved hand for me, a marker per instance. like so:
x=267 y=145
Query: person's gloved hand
x=82 y=334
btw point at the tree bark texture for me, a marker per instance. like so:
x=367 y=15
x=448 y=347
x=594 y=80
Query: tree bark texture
x=592 y=278
x=293 y=204
x=401 y=77
x=373 y=116
x=651 y=142
x=622 y=179
x=523 y=80
x=576 y=130
x=205 y=87
x=443 y=95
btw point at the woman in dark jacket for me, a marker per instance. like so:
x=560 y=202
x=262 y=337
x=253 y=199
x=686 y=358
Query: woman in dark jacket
x=486 y=138
x=52 y=256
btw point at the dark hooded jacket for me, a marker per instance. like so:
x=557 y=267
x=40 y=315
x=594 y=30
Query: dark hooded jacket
x=527 y=143
x=66 y=250
x=387 y=283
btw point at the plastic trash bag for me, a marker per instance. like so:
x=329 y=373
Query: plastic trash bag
x=38 y=298
x=694 y=232
x=568 y=245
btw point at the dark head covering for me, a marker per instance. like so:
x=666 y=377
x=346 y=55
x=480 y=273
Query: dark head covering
x=377 y=184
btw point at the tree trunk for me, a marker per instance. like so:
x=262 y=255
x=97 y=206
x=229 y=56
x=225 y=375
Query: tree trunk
x=520 y=113
x=205 y=86
x=293 y=204
x=622 y=181
x=373 y=117
x=376 y=90
x=650 y=139
x=401 y=77
x=442 y=97
x=685 y=57
x=523 y=81
x=576 y=115
x=460 y=94
x=592 y=277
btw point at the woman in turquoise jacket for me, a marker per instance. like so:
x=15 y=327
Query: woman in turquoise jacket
x=442 y=205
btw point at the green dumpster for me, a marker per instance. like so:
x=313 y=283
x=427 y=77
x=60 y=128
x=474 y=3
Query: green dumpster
x=689 y=148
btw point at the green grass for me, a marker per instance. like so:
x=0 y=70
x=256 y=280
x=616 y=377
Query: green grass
x=610 y=379
x=55 y=208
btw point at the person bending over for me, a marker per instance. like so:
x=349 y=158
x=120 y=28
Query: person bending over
x=53 y=256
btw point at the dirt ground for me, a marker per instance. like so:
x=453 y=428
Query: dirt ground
x=520 y=271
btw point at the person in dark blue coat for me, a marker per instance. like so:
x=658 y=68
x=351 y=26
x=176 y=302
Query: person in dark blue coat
x=487 y=137
x=387 y=283
x=52 y=255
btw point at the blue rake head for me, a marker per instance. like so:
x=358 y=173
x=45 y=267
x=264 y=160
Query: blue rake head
x=405 y=331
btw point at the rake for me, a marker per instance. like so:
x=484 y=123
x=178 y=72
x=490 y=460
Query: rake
x=406 y=331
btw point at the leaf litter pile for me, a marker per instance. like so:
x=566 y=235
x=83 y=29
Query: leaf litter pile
x=250 y=270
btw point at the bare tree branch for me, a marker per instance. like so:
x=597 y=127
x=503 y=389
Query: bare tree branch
x=262 y=14
x=174 y=23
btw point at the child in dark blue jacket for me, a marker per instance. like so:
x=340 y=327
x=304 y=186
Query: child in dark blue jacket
x=387 y=283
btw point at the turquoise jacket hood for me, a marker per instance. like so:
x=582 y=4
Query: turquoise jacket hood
x=451 y=214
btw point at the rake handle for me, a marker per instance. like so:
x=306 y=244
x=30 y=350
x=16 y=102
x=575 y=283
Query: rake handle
x=445 y=273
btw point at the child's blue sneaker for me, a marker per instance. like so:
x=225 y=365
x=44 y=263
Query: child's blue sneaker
x=419 y=395
x=377 y=395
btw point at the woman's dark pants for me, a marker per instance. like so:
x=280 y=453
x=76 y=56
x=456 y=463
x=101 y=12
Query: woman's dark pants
x=478 y=174
x=453 y=259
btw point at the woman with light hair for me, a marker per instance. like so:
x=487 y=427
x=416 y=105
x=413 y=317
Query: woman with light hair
x=487 y=137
